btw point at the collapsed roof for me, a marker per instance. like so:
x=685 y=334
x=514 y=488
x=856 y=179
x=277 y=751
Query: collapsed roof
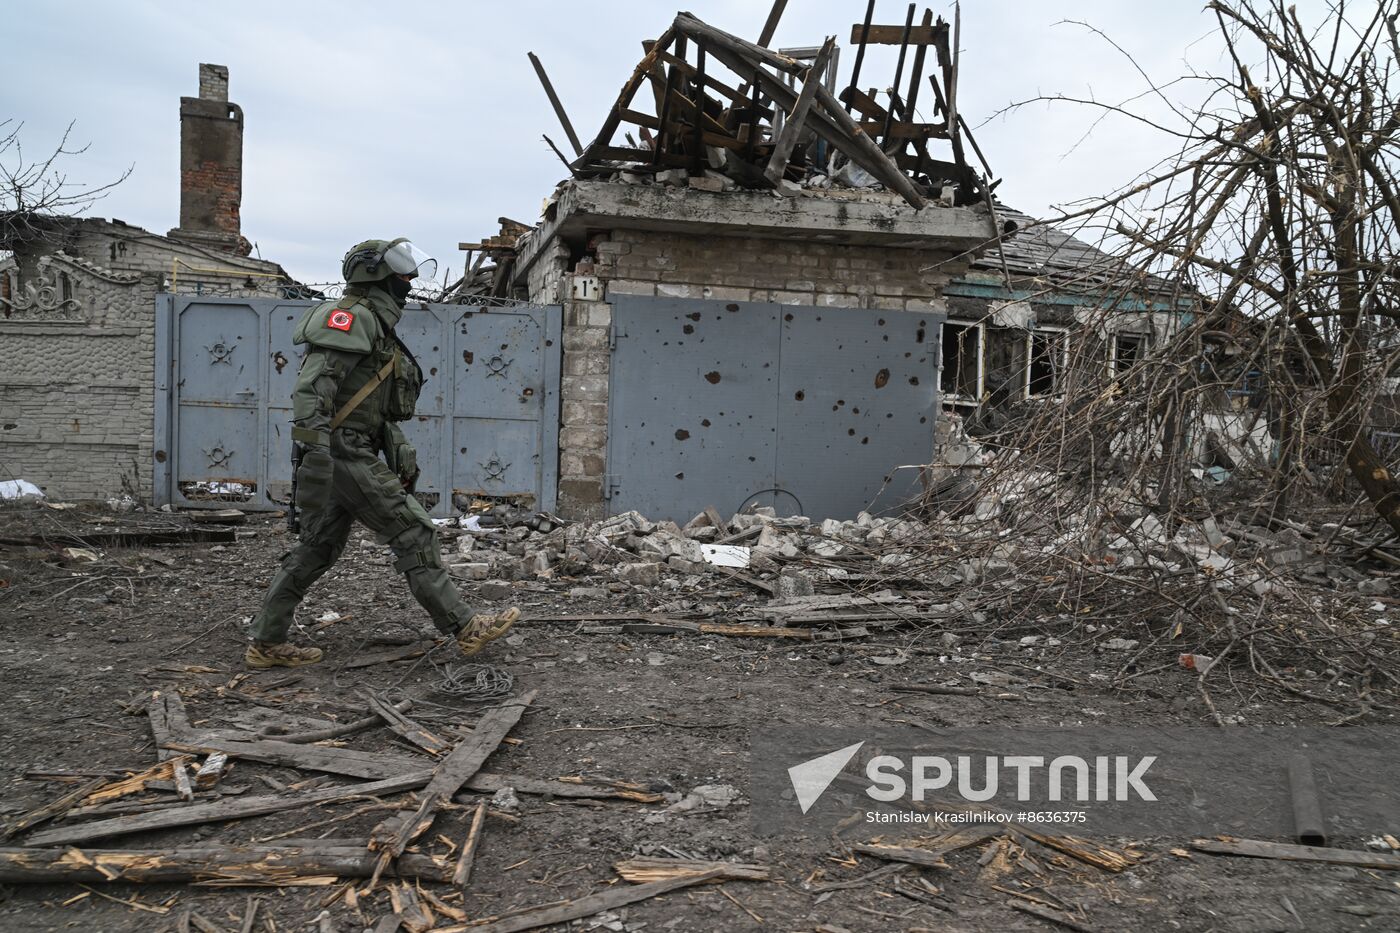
x=746 y=115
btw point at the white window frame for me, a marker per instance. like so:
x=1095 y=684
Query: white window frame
x=1143 y=338
x=1060 y=372
x=981 y=329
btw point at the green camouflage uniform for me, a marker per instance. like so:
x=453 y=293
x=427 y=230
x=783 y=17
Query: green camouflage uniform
x=341 y=477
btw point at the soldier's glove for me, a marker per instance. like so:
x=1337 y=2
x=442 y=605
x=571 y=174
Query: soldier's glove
x=314 y=481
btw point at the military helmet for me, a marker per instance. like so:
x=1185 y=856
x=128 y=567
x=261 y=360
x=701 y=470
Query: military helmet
x=376 y=260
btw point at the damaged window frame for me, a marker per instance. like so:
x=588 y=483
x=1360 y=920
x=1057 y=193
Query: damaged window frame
x=1143 y=341
x=1060 y=366
x=965 y=325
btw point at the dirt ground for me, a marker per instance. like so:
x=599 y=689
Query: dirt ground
x=85 y=642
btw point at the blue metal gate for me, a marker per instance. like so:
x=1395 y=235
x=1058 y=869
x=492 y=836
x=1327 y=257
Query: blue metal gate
x=487 y=423
x=805 y=409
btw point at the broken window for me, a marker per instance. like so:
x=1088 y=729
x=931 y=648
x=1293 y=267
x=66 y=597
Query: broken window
x=1127 y=349
x=960 y=362
x=1048 y=361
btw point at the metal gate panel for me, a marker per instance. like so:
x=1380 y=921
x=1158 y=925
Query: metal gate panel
x=692 y=413
x=496 y=450
x=227 y=368
x=857 y=397
x=220 y=388
x=804 y=409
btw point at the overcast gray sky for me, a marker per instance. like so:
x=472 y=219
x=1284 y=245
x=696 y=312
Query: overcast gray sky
x=424 y=119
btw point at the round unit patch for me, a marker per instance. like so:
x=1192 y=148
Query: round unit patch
x=340 y=320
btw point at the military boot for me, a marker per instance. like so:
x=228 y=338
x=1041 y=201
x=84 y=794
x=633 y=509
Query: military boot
x=262 y=655
x=484 y=627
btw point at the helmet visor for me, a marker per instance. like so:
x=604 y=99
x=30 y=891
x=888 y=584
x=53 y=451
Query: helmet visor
x=403 y=258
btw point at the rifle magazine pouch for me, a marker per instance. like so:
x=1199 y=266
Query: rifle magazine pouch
x=404 y=385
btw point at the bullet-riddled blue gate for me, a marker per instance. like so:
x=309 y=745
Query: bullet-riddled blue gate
x=486 y=425
x=805 y=409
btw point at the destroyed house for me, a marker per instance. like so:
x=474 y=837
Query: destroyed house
x=1040 y=307
x=753 y=293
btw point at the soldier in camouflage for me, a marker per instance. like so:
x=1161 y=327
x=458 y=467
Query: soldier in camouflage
x=357 y=381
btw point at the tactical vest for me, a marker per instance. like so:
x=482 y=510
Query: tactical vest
x=394 y=399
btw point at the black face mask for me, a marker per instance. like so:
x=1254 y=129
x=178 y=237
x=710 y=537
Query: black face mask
x=399 y=288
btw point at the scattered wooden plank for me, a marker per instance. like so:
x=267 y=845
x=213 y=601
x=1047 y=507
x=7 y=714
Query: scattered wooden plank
x=624 y=98
x=1085 y=851
x=128 y=539
x=224 y=863
x=463 y=872
x=183 y=788
x=894 y=35
x=904 y=130
x=585 y=906
x=406 y=728
x=165 y=771
x=554 y=102
x=1050 y=916
x=796 y=120
x=220 y=811
x=755 y=631
x=158 y=710
x=211 y=770
x=1253 y=848
x=905 y=854
x=52 y=809
x=392 y=837
x=347 y=761
x=644 y=869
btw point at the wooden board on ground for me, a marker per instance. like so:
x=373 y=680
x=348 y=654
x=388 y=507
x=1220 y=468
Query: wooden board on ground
x=224 y=863
x=392 y=837
x=1252 y=848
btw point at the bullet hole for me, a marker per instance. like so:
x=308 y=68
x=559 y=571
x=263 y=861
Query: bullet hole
x=528 y=392
x=549 y=343
x=505 y=346
x=432 y=371
x=468 y=357
x=835 y=407
x=919 y=335
x=279 y=361
x=865 y=440
x=705 y=423
x=889 y=414
x=462 y=450
x=881 y=322
x=435 y=349
x=855 y=411
x=907 y=355
x=731 y=307
x=886 y=338
x=688 y=329
x=712 y=378
x=753 y=460
x=682 y=434
x=680 y=476
x=787 y=317
x=160 y=454
x=800 y=395
x=913 y=380
x=923 y=421
x=851 y=432
x=841 y=401
x=882 y=378
x=694 y=316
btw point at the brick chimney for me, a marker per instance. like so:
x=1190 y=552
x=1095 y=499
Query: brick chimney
x=211 y=166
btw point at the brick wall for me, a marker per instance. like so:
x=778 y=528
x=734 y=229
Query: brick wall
x=77 y=354
x=673 y=265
